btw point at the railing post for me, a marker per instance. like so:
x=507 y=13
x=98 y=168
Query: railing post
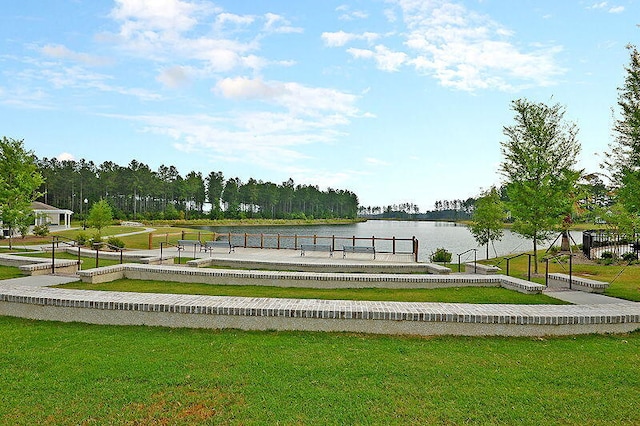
x=475 y=260
x=529 y=269
x=416 y=246
x=546 y=272
x=121 y=256
x=245 y=240
x=570 y=270
x=333 y=242
x=96 y=246
x=150 y=240
x=53 y=255
x=393 y=245
x=79 y=261
x=508 y=260
x=278 y=241
x=315 y=238
x=295 y=242
x=459 y=264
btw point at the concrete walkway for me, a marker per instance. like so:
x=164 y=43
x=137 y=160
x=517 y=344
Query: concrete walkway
x=584 y=298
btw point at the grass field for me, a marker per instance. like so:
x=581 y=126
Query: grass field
x=7 y=272
x=624 y=279
x=56 y=373
x=451 y=295
x=88 y=262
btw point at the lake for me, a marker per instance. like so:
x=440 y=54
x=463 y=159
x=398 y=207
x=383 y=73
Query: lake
x=454 y=237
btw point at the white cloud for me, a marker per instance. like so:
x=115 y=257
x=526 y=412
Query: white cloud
x=65 y=156
x=264 y=139
x=609 y=8
x=601 y=5
x=239 y=20
x=62 y=52
x=164 y=15
x=164 y=31
x=386 y=59
x=341 y=38
x=466 y=50
x=350 y=15
x=278 y=24
x=297 y=98
x=174 y=77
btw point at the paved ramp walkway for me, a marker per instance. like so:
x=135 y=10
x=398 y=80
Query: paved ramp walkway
x=584 y=298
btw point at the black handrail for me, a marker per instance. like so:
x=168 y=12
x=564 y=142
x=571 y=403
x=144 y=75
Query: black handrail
x=162 y=244
x=475 y=259
x=98 y=245
x=529 y=263
x=55 y=242
x=546 y=273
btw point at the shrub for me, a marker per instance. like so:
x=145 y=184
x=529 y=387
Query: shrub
x=441 y=255
x=115 y=242
x=41 y=230
x=82 y=239
x=95 y=238
x=607 y=255
x=630 y=256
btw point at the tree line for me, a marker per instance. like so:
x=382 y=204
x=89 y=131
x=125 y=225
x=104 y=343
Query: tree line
x=137 y=192
x=444 y=210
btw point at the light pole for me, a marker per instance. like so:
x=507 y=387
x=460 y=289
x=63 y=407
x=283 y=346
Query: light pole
x=84 y=224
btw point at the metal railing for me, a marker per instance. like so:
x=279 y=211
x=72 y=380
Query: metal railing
x=508 y=259
x=56 y=240
x=558 y=256
x=100 y=244
x=475 y=259
x=597 y=241
x=390 y=245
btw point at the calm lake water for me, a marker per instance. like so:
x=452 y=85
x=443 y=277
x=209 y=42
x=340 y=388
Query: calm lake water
x=455 y=238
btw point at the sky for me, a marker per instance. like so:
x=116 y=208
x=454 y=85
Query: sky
x=399 y=101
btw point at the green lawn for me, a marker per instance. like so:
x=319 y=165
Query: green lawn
x=68 y=374
x=7 y=272
x=451 y=295
x=624 y=279
x=87 y=262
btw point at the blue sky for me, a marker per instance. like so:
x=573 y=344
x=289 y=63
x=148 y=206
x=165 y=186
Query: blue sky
x=397 y=100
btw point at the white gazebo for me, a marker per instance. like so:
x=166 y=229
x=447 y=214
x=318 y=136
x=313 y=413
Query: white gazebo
x=49 y=215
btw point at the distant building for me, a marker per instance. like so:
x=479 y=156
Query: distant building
x=52 y=216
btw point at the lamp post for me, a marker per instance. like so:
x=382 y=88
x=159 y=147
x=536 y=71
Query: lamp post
x=84 y=224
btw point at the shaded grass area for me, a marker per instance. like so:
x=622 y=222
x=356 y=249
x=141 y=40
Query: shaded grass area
x=451 y=295
x=624 y=279
x=56 y=373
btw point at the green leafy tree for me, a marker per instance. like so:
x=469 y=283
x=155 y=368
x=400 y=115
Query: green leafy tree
x=19 y=183
x=100 y=215
x=488 y=218
x=540 y=152
x=623 y=161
